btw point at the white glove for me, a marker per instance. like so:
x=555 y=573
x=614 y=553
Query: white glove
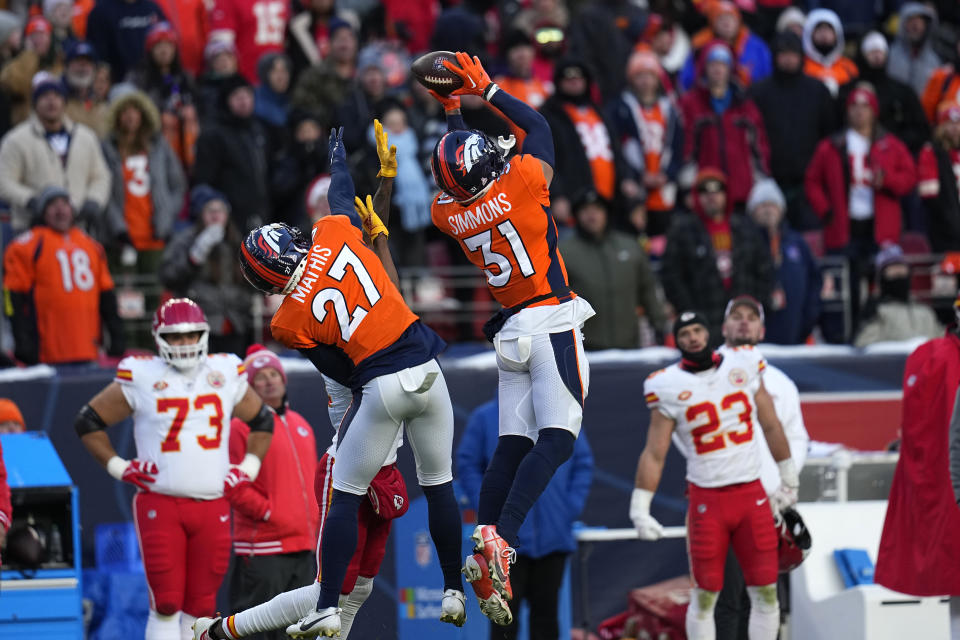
x=786 y=494
x=647 y=526
x=205 y=241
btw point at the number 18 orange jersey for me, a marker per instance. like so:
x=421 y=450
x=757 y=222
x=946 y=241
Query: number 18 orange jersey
x=509 y=233
x=346 y=301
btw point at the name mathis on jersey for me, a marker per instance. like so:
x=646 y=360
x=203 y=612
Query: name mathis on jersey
x=484 y=213
x=316 y=262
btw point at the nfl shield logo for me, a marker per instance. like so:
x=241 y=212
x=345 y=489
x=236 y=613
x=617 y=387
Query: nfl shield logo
x=423 y=552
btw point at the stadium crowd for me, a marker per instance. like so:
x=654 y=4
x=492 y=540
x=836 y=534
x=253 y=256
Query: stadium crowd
x=704 y=148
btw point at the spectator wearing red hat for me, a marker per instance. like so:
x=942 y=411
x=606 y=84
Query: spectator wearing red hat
x=189 y=19
x=754 y=62
x=854 y=184
x=938 y=174
x=712 y=256
x=276 y=520
x=722 y=125
x=11 y=421
x=117 y=29
x=646 y=121
x=256 y=27
x=38 y=54
x=161 y=76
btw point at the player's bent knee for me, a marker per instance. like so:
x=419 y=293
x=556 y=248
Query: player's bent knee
x=556 y=444
x=764 y=598
x=167 y=608
x=704 y=602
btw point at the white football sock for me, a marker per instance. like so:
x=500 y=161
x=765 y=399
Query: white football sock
x=352 y=602
x=278 y=613
x=764 y=613
x=700 y=624
x=162 y=627
x=186 y=622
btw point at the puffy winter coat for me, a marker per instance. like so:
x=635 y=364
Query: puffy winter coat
x=827 y=185
x=277 y=513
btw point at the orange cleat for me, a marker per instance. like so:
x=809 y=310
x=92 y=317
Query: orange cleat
x=499 y=556
x=491 y=604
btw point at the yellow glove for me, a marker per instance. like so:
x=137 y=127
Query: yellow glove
x=388 y=155
x=372 y=225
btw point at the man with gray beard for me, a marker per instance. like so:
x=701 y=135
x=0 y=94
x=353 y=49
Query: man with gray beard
x=83 y=104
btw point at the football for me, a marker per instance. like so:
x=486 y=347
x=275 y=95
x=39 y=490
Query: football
x=428 y=69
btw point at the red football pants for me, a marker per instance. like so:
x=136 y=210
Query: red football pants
x=185 y=545
x=372 y=530
x=737 y=514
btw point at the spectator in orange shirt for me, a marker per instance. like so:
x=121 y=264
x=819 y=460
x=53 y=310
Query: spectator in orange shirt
x=149 y=185
x=943 y=86
x=588 y=153
x=519 y=81
x=59 y=288
x=823 y=47
x=11 y=420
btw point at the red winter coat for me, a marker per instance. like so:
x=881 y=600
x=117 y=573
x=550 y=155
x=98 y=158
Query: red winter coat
x=736 y=142
x=283 y=488
x=827 y=185
x=6 y=511
x=919 y=554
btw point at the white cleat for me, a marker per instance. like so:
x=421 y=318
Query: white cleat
x=454 y=607
x=201 y=628
x=323 y=623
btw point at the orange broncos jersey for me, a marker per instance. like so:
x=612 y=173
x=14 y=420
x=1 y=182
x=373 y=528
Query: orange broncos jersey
x=66 y=274
x=344 y=298
x=509 y=233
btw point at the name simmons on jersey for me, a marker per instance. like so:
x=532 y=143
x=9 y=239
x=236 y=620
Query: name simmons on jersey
x=484 y=213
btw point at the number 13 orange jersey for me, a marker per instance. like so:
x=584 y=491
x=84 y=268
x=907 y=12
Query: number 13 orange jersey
x=344 y=298
x=509 y=233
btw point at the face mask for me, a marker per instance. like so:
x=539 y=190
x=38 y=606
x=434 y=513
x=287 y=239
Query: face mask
x=699 y=360
x=895 y=288
x=824 y=49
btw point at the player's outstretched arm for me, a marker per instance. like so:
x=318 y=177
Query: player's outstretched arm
x=342 y=192
x=376 y=231
x=539 y=138
x=388 y=171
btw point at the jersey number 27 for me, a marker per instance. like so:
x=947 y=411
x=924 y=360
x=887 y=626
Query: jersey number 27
x=348 y=321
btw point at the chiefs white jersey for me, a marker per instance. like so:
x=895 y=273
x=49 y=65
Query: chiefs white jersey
x=715 y=416
x=182 y=422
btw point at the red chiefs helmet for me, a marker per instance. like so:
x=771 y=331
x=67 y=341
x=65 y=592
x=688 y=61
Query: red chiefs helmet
x=181 y=315
x=795 y=540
